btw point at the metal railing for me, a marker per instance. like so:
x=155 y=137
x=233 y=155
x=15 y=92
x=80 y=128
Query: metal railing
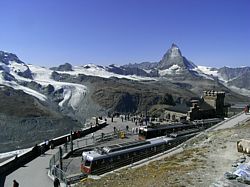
x=59 y=171
x=95 y=139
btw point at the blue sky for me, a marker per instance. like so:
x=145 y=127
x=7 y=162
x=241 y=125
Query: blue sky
x=51 y=32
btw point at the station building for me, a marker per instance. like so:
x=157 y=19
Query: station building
x=211 y=105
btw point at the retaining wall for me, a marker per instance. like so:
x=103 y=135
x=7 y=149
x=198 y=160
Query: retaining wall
x=14 y=163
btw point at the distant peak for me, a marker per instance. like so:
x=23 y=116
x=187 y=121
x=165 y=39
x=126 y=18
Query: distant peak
x=6 y=58
x=174 y=57
x=174 y=46
x=174 y=51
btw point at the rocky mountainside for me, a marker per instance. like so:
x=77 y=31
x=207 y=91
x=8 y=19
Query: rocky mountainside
x=232 y=73
x=173 y=57
x=26 y=120
x=241 y=81
x=237 y=77
x=49 y=102
x=10 y=63
x=63 y=67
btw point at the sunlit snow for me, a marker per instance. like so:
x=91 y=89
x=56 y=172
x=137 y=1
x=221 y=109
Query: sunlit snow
x=174 y=69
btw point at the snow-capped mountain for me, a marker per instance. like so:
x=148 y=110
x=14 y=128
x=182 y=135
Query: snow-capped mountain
x=237 y=79
x=174 y=59
x=43 y=100
x=10 y=63
x=173 y=66
x=20 y=76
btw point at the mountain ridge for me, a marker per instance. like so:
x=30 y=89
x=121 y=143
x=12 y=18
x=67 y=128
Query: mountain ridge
x=76 y=93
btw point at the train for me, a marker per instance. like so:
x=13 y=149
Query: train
x=105 y=159
x=152 y=131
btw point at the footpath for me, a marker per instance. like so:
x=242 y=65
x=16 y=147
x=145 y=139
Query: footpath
x=35 y=173
x=31 y=168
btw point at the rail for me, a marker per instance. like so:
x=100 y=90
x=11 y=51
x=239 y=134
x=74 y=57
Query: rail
x=59 y=171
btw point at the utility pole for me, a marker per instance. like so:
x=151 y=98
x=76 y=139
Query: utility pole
x=71 y=141
x=60 y=158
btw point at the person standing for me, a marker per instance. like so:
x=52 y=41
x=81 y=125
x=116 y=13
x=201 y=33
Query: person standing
x=15 y=183
x=56 y=182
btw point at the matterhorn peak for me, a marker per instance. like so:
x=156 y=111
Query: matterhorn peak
x=172 y=55
x=174 y=46
x=174 y=51
x=174 y=58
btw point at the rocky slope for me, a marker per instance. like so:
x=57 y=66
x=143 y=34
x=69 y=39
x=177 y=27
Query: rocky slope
x=25 y=120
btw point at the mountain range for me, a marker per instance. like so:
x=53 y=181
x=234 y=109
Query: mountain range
x=41 y=102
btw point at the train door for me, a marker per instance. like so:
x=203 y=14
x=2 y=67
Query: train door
x=86 y=165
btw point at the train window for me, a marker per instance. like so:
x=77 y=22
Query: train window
x=87 y=163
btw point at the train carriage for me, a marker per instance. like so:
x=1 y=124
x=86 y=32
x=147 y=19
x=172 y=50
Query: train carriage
x=106 y=159
x=152 y=131
x=147 y=132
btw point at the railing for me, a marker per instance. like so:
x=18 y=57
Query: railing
x=60 y=174
x=57 y=167
x=95 y=139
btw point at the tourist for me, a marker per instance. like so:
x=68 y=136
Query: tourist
x=56 y=182
x=102 y=135
x=15 y=183
x=246 y=109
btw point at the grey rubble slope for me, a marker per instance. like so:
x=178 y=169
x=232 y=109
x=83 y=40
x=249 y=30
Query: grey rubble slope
x=24 y=120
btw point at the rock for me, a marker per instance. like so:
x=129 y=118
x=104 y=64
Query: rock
x=241 y=160
x=235 y=135
x=234 y=165
x=243 y=180
x=230 y=176
x=63 y=67
x=243 y=157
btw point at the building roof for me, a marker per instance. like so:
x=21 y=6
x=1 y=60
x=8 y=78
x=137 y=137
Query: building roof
x=181 y=108
x=205 y=106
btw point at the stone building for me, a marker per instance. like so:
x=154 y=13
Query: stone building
x=211 y=105
x=216 y=100
x=176 y=113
